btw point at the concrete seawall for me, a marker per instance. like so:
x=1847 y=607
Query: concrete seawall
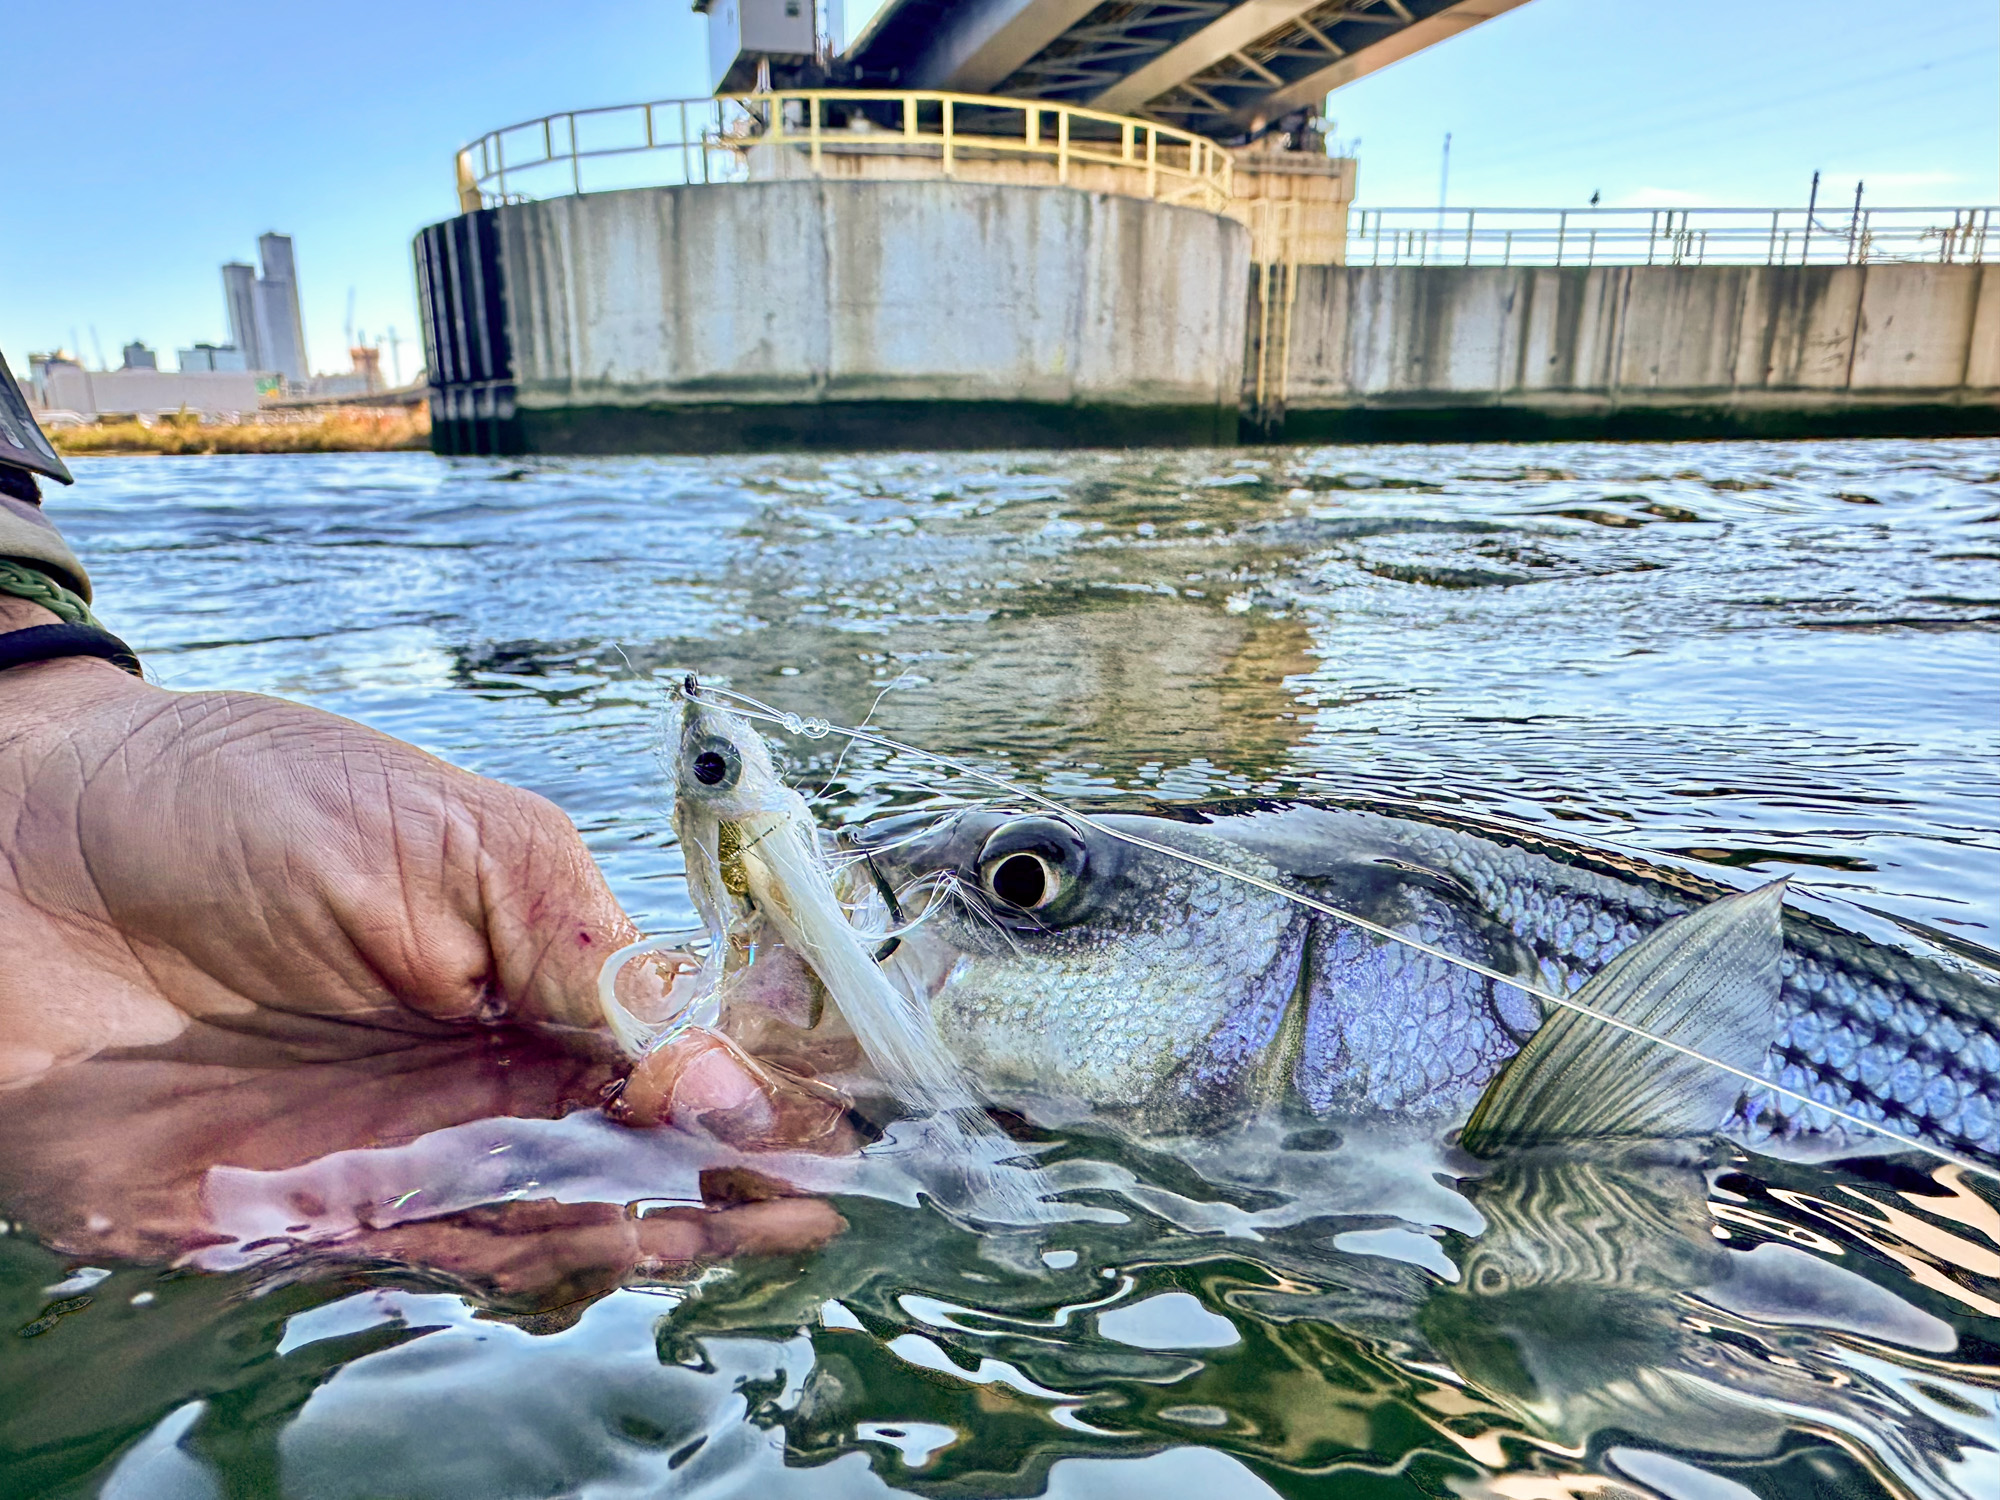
x=1401 y=352
x=822 y=313
x=831 y=313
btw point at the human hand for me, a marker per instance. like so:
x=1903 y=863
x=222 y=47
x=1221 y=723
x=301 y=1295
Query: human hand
x=239 y=932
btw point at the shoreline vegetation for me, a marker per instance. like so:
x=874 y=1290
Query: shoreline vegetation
x=341 y=430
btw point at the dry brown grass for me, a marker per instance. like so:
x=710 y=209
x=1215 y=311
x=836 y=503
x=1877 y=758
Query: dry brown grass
x=342 y=430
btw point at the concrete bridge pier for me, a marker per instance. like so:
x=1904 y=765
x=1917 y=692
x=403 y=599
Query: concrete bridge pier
x=826 y=313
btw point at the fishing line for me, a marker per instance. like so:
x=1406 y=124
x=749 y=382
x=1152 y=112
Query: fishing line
x=817 y=728
x=1476 y=814
x=841 y=760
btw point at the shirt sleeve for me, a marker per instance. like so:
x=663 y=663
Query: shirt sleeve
x=27 y=534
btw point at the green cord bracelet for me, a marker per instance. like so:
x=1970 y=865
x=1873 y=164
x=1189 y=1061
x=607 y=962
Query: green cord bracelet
x=31 y=583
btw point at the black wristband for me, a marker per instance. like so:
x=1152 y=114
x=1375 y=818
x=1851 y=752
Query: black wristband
x=18 y=648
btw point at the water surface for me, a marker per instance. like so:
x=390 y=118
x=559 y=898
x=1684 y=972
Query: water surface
x=1782 y=658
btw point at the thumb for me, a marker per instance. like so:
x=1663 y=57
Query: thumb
x=551 y=922
x=703 y=1081
x=550 y=919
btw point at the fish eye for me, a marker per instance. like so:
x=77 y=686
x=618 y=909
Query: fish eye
x=1033 y=864
x=716 y=764
x=1022 y=879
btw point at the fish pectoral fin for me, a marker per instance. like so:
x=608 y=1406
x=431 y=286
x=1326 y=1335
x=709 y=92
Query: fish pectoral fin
x=1707 y=981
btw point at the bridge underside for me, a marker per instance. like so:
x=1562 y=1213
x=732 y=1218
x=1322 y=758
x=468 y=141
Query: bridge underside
x=1228 y=69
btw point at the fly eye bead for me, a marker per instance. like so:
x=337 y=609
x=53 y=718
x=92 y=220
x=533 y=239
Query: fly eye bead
x=1022 y=880
x=718 y=765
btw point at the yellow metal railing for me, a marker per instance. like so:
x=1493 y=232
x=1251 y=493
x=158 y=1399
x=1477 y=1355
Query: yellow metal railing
x=843 y=132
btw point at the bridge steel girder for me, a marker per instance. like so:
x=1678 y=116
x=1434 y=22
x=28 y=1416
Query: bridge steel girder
x=1115 y=38
x=1184 y=65
x=1225 y=68
x=1229 y=33
x=980 y=42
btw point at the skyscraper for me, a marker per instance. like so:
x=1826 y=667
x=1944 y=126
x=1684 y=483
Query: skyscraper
x=264 y=321
x=239 y=291
x=281 y=333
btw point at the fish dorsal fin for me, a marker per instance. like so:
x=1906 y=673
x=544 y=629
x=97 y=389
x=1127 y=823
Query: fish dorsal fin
x=1708 y=981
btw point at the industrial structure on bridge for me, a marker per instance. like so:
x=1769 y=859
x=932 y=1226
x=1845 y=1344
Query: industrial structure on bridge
x=1026 y=222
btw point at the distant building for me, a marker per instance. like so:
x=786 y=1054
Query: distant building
x=265 y=356
x=239 y=296
x=364 y=380
x=206 y=357
x=64 y=390
x=264 y=321
x=281 y=331
x=38 y=374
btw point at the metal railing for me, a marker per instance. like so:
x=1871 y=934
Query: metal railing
x=1668 y=236
x=679 y=137
x=840 y=132
x=1278 y=238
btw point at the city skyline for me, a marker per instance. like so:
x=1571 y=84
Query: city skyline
x=1546 y=105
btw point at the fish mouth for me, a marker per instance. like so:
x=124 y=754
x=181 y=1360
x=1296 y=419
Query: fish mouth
x=903 y=857
x=909 y=845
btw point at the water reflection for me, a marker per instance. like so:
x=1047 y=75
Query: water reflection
x=1172 y=676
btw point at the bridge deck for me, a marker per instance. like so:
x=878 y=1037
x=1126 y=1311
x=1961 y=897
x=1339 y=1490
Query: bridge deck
x=1221 y=68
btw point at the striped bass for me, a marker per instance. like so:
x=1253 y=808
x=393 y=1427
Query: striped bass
x=1060 y=958
x=1160 y=965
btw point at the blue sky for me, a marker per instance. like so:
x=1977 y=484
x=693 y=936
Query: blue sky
x=148 y=144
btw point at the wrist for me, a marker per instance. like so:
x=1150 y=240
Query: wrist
x=49 y=687
x=21 y=614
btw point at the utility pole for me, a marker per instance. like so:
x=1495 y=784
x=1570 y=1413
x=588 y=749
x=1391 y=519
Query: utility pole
x=395 y=356
x=1444 y=180
x=1805 y=243
x=1854 y=225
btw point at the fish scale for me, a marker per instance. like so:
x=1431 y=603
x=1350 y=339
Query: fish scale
x=1112 y=1015
x=1873 y=1048
x=1392 y=1029
x=1894 y=1046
